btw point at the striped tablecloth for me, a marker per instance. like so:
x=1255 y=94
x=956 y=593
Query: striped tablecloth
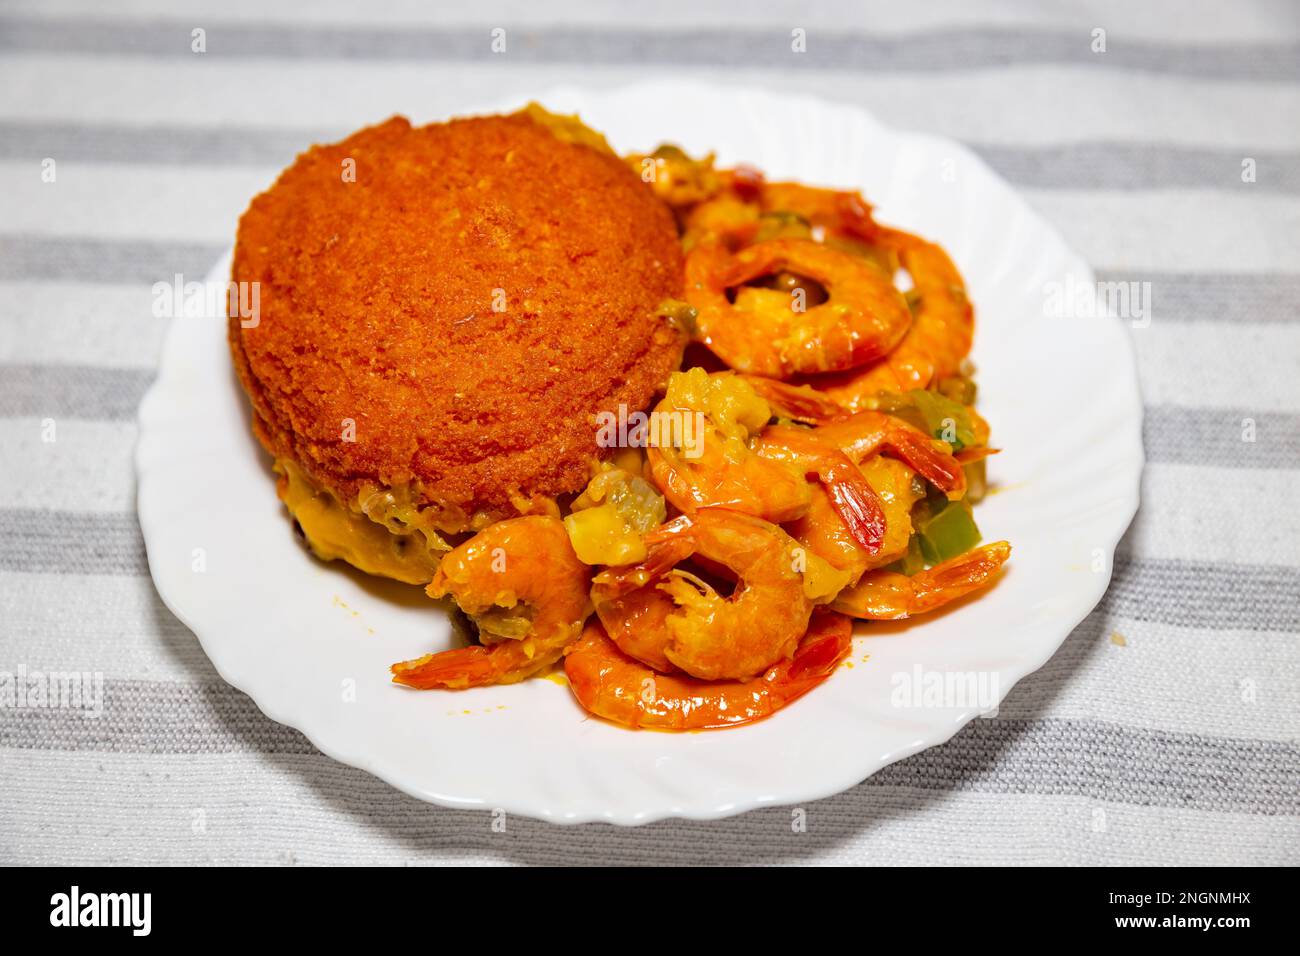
x=1164 y=731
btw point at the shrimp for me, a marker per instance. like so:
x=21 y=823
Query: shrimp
x=765 y=477
x=840 y=485
x=720 y=470
x=744 y=482
x=521 y=582
x=839 y=211
x=726 y=219
x=665 y=615
x=612 y=685
x=800 y=403
x=864 y=434
x=886 y=596
x=636 y=619
x=734 y=222
x=823 y=531
x=762 y=332
x=938 y=340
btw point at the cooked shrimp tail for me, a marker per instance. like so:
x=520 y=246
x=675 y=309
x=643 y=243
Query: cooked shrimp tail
x=864 y=434
x=917 y=450
x=828 y=641
x=887 y=596
x=800 y=403
x=943 y=325
x=666 y=547
x=855 y=501
x=475 y=666
x=850 y=494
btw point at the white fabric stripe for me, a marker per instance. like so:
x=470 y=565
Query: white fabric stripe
x=89 y=466
x=1107 y=106
x=309 y=810
x=1115 y=165
x=852 y=47
x=1155 y=676
x=117 y=626
x=1157 y=231
x=1202 y=21
x=1213 y=365
x=1188 y=230
x=121 y=202
x=1161 y=677
x=109 y=326
x=1198 y=514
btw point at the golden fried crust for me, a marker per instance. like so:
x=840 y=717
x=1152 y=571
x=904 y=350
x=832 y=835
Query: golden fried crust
x=377 y=307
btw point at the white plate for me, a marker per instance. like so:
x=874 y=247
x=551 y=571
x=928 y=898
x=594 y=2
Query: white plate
x=311 y=642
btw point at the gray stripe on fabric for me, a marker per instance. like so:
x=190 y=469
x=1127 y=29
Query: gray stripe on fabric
x=1246 y=298
x=72 y=391
x=1266 y=298
x=1252 y=597
x=1172 y=434
x=1255 y=597
x=44 y=541
x=72 y=543
x=158 y=145
x=929 y=50
x=1108 y=761
x=1110 y=166
x=1140 y=166
x=111 y=261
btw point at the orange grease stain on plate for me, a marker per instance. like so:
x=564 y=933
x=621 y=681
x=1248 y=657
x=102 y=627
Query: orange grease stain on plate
x=555 y=674
x=471 y=713
x=340 y=603
x=1001 y=489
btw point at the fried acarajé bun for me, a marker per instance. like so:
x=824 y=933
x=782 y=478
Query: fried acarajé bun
x=443 y=311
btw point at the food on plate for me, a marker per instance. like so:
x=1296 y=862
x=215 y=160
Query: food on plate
x=442 y=311
x=859 y=315
x=525 y=589
x=673 y=619
x=883 y=595
x=615 y=686
x=720 y=419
